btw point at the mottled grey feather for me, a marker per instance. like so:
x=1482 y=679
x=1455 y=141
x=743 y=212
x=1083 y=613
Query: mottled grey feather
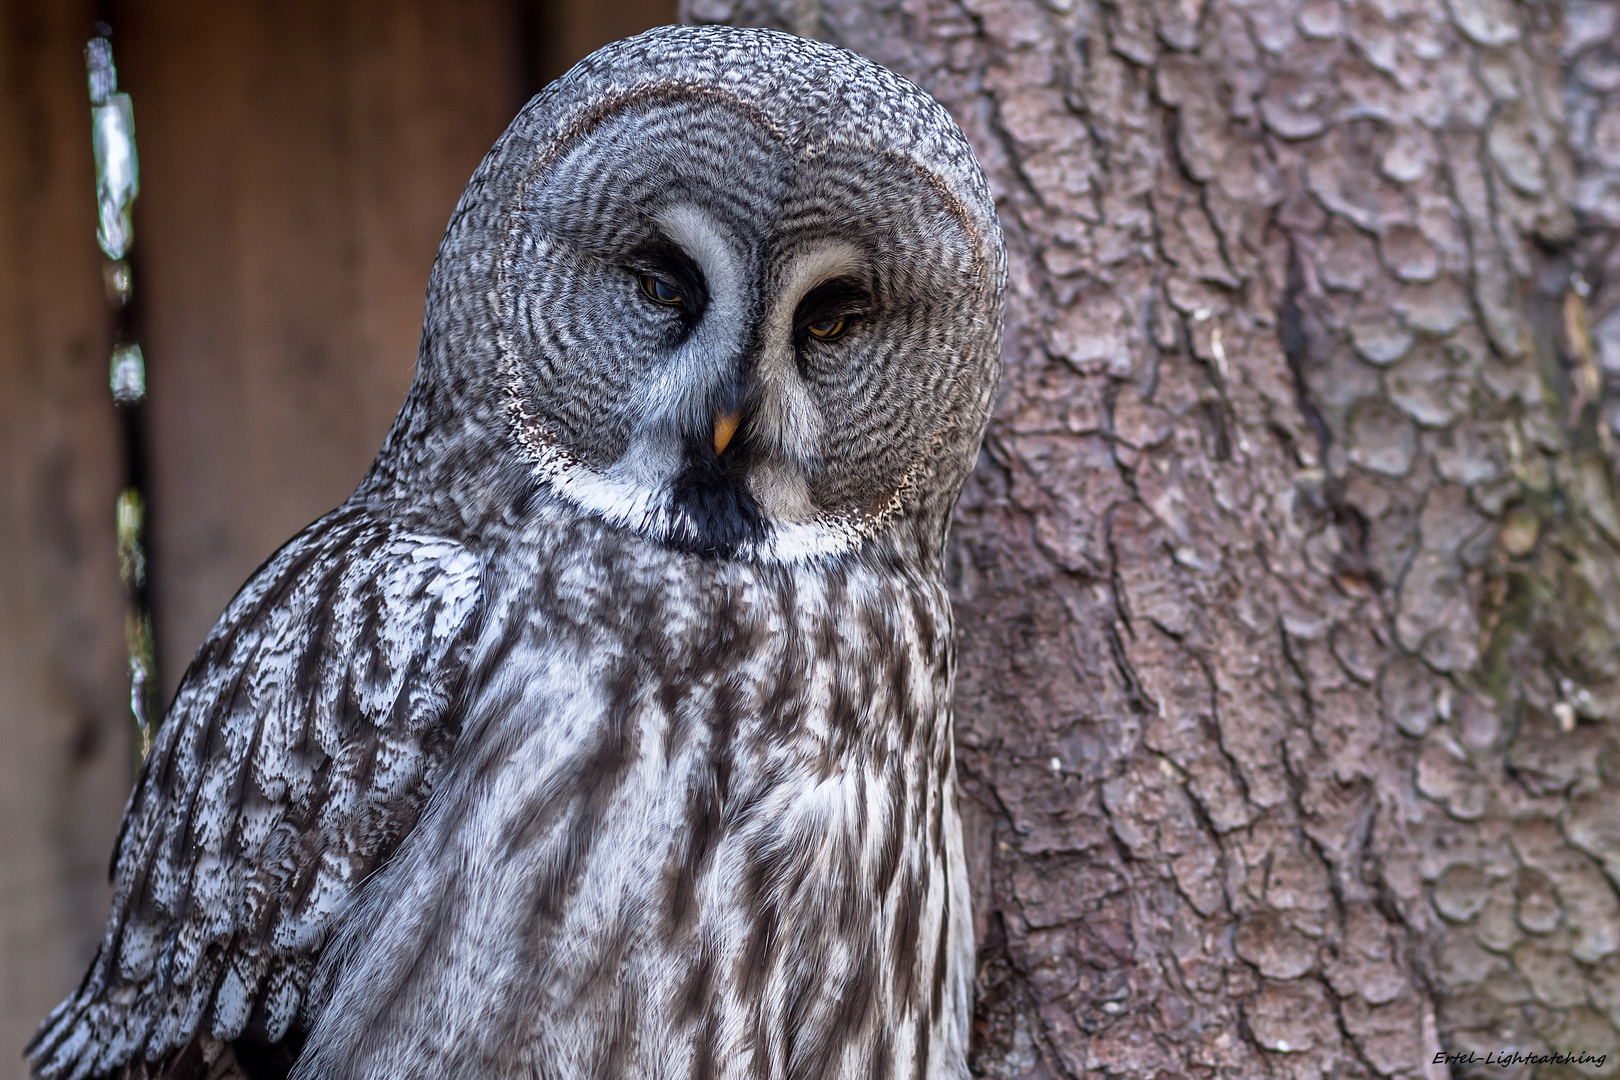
x=299 y=752
x=572 y=747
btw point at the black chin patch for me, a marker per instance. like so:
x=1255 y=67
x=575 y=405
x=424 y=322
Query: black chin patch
x=711 y=495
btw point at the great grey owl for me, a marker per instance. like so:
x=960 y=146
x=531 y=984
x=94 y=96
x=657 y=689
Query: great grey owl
x=605 y=730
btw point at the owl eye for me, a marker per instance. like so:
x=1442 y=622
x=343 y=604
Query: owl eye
x=660 y=291
x=828 y=329
x=828 y=311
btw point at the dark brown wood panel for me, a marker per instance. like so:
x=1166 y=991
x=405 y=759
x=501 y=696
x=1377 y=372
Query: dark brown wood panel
x=299 y=163
x=64 y=718
x=569 y=29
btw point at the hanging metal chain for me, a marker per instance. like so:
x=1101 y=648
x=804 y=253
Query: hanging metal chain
x=118 y=181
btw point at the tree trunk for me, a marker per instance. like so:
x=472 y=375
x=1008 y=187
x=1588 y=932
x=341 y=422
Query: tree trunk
x=1289 y=584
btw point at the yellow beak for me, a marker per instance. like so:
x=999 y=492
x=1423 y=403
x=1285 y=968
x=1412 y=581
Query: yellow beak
x=725 y=426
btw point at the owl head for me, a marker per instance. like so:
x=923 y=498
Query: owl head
x=734 y=290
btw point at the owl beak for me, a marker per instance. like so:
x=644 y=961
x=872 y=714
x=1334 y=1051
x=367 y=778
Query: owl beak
x=725 y=426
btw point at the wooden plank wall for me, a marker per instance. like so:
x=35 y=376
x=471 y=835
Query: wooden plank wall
x=64 y=772
x=565 y=30
x=299 y=160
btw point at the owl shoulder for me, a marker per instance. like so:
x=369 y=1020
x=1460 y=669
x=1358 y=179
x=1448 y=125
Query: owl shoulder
x=299 y=751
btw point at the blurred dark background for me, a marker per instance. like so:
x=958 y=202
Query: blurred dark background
x=299 y=161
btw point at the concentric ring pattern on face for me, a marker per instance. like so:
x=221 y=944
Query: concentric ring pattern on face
x=766 y=195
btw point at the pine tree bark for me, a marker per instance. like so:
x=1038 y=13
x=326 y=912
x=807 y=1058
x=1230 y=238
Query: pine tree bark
x=1289 y=584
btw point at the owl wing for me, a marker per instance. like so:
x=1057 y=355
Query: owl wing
x=298 y=753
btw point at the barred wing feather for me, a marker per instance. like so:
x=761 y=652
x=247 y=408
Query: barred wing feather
x=302 y=745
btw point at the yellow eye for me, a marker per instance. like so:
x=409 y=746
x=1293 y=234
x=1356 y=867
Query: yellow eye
x=827 y=329
x=660 y=292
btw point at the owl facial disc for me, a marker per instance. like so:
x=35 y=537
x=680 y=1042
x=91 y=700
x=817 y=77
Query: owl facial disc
x=742 y=312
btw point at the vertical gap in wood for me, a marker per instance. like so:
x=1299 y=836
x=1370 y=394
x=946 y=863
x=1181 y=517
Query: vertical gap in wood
x=127 y=327
x=529 y=20
x=569 y=30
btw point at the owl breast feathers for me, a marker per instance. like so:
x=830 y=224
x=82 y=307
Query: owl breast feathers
x=605 y=730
